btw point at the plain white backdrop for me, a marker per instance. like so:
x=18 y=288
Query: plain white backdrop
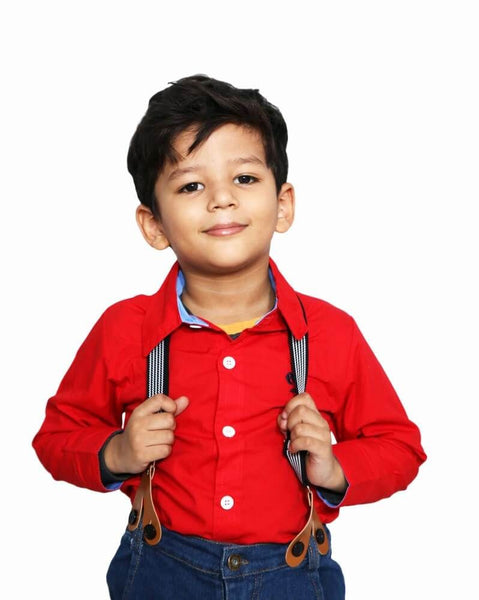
x=381 y=100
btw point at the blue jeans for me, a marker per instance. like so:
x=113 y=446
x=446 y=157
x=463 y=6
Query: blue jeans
x=189 y=568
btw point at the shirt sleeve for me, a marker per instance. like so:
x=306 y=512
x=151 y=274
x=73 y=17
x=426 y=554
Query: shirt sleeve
x=81 y=416
x=378 y=447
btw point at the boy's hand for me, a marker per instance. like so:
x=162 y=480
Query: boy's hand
x=310 y=432
x=148 y=435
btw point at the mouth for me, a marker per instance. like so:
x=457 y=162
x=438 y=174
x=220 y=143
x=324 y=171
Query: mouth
x=224 y=229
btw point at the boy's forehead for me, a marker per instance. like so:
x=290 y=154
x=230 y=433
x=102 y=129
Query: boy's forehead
x=236 y=134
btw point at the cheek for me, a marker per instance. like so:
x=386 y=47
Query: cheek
x=269 y=215
x=175 y=217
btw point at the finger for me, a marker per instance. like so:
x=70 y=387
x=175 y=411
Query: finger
x=167 y=404
x=159 y=421
x=157 y=403
x=164 y=419
x=157 y=452
x=306 y=430
x=181 y=403
x=299 y=400
x=283 y=422
x=305 y=414
x=162 y=437
x=314 y=447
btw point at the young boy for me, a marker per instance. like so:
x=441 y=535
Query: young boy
x=239 y=363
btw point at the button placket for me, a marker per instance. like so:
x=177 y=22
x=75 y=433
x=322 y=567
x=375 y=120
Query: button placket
x=230 y=400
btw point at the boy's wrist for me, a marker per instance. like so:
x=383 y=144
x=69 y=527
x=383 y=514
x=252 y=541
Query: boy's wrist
x=110 y=453
x=341 y=482
x=108 y=477
x=337 y=482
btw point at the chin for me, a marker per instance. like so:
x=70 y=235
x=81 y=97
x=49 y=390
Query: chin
x=234 y=264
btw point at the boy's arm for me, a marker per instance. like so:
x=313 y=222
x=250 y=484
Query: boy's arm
x=378 y=450
x=81 y=416
x=379 y=447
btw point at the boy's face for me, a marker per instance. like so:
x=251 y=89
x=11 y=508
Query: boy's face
x=219 y=206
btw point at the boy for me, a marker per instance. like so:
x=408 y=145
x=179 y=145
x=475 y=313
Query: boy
x=218 y=511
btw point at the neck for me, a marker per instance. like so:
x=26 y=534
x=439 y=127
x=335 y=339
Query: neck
x=229 y=298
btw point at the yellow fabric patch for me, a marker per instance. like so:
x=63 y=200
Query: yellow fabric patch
x=238 y=327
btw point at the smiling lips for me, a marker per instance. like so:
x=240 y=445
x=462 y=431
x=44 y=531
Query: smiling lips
x=223 y=229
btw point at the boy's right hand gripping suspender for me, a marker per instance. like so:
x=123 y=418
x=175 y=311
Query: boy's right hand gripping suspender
x=143 y=507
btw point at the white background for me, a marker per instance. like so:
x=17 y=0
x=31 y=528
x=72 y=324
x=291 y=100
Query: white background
x=381 y=100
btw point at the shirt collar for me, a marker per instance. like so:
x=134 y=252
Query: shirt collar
x=190 y=319
x=289 y=304
x=166 y=311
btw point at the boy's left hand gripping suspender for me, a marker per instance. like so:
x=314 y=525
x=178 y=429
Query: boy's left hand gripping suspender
x=298 y=548
x=143 y=507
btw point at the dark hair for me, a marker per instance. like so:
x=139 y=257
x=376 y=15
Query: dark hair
x=208 y=104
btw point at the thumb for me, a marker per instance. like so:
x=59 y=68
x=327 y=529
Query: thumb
x=181 y=403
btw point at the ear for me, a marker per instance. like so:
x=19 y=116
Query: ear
x=285 y=208
x=151 y=228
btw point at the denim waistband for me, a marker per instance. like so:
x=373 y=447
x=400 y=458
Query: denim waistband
x=230 y=560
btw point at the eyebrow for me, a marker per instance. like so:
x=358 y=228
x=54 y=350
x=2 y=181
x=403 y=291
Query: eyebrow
x=252 y=159
x=241 y=160
x=181 y=171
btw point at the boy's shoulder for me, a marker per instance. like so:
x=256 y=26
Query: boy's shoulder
x=124 y=320
x=320 y=315
x=128 y=309
x=143 y=319
x=146 y=310
x=323 y=317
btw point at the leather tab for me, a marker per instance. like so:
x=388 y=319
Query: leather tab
x=298 y=547
x=320 y=535
x=151 y=523
x=137 y=506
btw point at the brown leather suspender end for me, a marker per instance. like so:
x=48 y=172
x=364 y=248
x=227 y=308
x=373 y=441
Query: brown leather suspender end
x=298 y=547
x=143 y=509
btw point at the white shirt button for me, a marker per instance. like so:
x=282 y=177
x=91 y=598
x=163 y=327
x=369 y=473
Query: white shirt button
x=229 y=362
x=229 y=431
x=227 y=502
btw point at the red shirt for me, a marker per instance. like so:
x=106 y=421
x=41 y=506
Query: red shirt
x=227 y=478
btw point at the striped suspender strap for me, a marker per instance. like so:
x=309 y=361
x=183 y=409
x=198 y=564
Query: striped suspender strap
x=299 y=364
x=157 y=379
x=143 y=507
x=158 y=384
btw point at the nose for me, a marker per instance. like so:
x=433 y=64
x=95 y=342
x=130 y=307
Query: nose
x=221 y=197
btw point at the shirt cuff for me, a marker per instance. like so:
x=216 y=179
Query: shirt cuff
x=111 y=481
x=330 y=498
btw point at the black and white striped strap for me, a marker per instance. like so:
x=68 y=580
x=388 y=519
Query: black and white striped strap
x=157 y=377
x=157 y=383
x=299 y=363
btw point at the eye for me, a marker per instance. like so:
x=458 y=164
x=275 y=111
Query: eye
x=245 y=179
x=194 y=186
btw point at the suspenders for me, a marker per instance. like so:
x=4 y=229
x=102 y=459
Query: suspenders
x=157 y=383
x=157 y=378
x=298 y=351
